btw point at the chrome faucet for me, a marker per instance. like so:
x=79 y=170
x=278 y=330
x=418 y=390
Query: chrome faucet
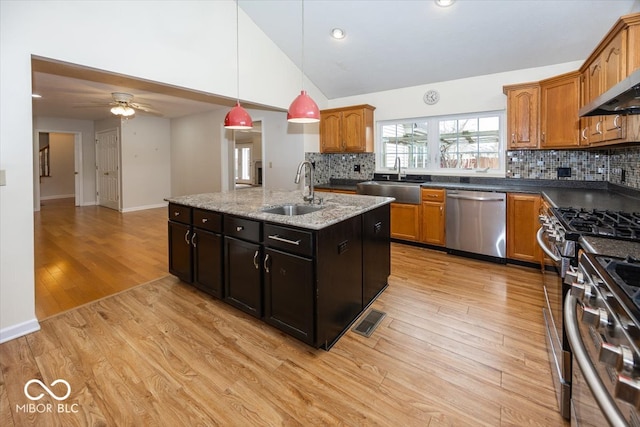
x=398 y=165
x=310 y=197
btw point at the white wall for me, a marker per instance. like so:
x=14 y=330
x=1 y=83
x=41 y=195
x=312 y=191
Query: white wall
x=87 y=135
x=177 y=43
x=61 y=180
x=145 y=162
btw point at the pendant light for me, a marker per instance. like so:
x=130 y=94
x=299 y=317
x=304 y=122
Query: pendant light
x=238 y=118
x=303 y=109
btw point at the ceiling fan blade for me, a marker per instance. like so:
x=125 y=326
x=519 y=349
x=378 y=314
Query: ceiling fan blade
x=145 y=108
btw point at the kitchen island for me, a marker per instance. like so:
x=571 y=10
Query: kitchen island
x=310 y=275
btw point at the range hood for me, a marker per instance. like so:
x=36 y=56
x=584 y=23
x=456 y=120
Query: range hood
x=623 y=98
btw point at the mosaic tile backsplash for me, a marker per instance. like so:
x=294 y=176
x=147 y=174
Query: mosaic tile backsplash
x=602 y=165
x=616 y=165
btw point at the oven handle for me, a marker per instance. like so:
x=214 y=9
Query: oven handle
x=599 y=391
x=544 y=248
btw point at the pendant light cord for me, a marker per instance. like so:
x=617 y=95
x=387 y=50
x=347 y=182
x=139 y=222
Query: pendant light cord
x=302 y=65
x=237 y=52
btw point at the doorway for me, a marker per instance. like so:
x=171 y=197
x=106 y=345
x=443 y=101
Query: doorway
x=247 y=156
x=108 y=169
x=58 y=171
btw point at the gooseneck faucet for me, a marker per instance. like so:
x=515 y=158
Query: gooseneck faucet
x=398 y=165
x=310 y=197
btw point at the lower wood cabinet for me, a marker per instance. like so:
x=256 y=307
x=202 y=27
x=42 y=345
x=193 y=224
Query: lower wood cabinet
x=522 y=226
x=180 y=251
x=243 y=275
x=405 y=221
x=207 y=262
x=433 y=221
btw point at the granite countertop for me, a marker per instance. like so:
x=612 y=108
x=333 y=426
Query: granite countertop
x=611 y=247
x=249 y=202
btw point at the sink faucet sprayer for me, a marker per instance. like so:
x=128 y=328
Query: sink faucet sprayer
x=310 y=197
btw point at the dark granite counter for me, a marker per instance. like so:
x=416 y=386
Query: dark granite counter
x=559 y=193
x=611 y=247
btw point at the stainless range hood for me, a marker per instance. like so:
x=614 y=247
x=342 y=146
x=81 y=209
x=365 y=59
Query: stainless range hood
x=623 y=98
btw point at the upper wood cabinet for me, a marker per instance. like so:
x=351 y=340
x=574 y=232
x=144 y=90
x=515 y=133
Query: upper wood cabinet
x=347 y=130
x=522 y=115
x=559 y=104
x=611 y=62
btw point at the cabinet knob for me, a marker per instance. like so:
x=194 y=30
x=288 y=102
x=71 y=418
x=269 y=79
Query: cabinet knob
x=204 y=220
x=176 y=213
x=239 y=228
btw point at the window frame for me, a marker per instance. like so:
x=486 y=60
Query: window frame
x=433 y=145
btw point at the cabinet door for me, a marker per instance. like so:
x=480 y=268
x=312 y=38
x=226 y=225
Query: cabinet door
x=207 y=265
x=522 y=117
x=522 y=226
x=375 y=252
x=560 y=124
x=405 y=223
x=433 y=223
x=180 y=251
x=289 y=302
x=353 y=131
x=331 y=132
x=243 y=275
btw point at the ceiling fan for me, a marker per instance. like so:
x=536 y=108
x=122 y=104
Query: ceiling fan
x=123 y=105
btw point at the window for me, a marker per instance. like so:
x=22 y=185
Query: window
x=458 y=144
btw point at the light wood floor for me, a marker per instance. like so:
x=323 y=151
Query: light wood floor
x=462 y=344
x=86 y=253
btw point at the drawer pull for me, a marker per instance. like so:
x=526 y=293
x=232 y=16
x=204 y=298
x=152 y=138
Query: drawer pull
x=204 y=220
x=176 y=213
x=282 y=239
x=239 y=228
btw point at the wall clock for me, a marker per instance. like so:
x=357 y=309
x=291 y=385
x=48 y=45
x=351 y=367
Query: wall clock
x=431 y=97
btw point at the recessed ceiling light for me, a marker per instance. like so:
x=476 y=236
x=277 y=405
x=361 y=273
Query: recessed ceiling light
x=338 y=33
x=444 y=3
x=35 y=95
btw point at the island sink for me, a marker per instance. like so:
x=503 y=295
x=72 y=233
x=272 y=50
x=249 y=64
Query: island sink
x=291 y=210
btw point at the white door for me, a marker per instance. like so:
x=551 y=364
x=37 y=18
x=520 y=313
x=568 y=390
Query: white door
x=243 y=162
x=108 y=169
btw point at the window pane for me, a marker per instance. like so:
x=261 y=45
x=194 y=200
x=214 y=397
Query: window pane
x=408 y=141
x=470 y=143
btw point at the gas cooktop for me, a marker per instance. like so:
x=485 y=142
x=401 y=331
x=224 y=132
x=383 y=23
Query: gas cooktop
x=601 y=223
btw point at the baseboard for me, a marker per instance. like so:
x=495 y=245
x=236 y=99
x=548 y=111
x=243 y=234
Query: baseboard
x=142 y=208
x=89 y=203
x=16 y=331
x=59 y=196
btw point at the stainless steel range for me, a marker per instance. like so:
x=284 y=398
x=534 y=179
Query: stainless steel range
x=559 y=234
x=602 y=316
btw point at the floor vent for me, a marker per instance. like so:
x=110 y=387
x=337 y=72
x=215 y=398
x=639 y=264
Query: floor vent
x=369 y=323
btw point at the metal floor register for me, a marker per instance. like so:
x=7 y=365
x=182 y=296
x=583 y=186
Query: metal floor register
x=369 y=323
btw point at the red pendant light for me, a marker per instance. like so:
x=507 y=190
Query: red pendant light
x=238 y=118
x=303 y=109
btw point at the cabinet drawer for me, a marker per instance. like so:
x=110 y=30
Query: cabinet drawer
x=288 y=239
x=180 y=213
x=242 y=228
x=207 y=220
x=432 y=195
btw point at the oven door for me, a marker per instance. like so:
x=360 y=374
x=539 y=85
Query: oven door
x=557 y=346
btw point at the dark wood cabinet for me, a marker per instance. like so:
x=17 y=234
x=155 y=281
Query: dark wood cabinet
x=289 y=300
x=180 y=251
x=376 y=253
x=207 y=262
x=243 y=278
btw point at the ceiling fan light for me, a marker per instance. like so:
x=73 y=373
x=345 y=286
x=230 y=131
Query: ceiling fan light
x=128 y=111
x=303 y=109
x=118 y=110
x=238 y=118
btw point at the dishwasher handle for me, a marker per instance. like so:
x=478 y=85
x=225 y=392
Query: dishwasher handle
x=477 y=198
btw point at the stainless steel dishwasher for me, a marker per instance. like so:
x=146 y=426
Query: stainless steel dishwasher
x=476 y=222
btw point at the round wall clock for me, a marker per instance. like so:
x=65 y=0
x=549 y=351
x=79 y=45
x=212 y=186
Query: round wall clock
x=431 y=97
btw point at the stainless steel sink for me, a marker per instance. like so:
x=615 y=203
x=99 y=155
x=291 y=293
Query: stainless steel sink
x=404 y=192
x=291 y=210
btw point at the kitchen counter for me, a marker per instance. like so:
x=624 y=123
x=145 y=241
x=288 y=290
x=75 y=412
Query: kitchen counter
x=611 y=247
x=576 y=194
x=249 y=202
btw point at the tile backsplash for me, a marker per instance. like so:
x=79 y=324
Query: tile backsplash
x=616 y=165
x=601 y=165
